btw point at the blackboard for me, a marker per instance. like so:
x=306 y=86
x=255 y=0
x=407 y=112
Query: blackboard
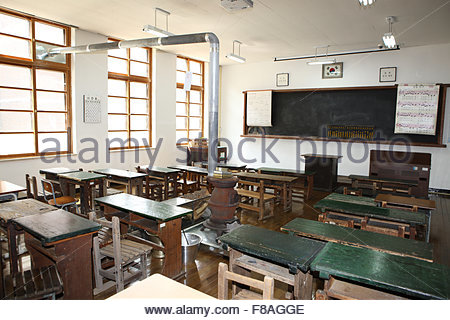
x=306 y=113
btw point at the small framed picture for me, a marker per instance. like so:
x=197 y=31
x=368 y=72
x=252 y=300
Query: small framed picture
x=333 y=70
x=282 y=79
x=388 y=74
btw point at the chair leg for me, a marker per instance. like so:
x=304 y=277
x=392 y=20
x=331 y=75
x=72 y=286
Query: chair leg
x=143 y=263
x=97 y=265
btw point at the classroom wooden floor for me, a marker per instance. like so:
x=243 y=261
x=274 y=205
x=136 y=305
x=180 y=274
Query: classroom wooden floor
x=202 y=275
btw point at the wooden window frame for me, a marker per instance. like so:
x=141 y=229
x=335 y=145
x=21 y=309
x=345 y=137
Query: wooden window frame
x=128 y=79
x=188 y=103
x=34 y=64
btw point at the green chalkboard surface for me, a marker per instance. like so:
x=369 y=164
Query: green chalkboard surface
x=307 y=113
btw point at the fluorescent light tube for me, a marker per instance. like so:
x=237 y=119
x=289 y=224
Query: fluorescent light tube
x=389 y=40
x=366 y=2
x=314 y=62
x=235 y=57
x=156 y=31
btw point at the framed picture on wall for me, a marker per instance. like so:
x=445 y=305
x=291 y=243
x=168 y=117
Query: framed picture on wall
x=333 y=70
x=282 y=79
x=388 y=74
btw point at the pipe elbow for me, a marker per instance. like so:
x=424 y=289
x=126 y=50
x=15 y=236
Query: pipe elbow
x=211 y=38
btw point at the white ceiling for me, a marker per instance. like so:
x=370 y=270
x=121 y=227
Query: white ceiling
x=272 y=28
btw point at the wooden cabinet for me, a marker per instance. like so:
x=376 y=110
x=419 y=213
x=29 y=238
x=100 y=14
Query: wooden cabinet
x=326 y=169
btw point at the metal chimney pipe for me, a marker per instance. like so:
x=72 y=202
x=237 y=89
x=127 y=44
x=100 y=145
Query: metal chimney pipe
x=213 y=89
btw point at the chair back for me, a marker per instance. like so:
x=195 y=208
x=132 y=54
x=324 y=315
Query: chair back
x=48 y=188
x=31 y=184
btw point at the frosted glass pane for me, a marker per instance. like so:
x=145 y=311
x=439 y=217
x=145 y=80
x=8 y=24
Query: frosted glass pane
x=139 y=54
x=122 y=136
x=60 y=137
x=12 y=76
x=51 y=101
x=195 y=97
x=196 y=80
x=181 y=135
x=50 y=80
x=117 y=65
x=194 y=134
x=195 y=110
x=138 y=90
x=139 y=69
x=181 y=95
x=15 y=47
x=181 y=123
x=117 y=105
x=139 y=122
x=49 y=33
x=15 y=99
x=181 y=64
x=117 y=122
x=16 y=143
x=51 y=121
x=195 y=67
x=139 y=106
x=141 y=136
x=180 y=76
x=15 y=26
x=181 y=109
x=119 y=53
x=16 y=121
x=117 y=88
x=195 y=123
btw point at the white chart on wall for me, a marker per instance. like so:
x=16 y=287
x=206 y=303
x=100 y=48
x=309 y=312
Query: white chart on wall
x=417 y=109
x=92 y=109
x=259 y=108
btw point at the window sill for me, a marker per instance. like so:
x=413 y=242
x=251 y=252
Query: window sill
x=37 y=157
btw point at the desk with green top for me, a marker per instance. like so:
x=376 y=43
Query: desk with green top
x=87 y=182
x=283 y=257
x=359 y=238
x=52 y=173
x=133 y=180
x=306 y=176
x=158 y=218
x=167 y=175
x=62 y=239
x=378 y=275
x=354 y=211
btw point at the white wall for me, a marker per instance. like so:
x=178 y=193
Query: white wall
x=90 y=77
x=428 y=64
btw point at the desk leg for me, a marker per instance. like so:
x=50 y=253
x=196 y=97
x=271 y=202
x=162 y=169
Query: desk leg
x=285 y=197
x=12 y=247
x=170 y=235
x=139 y=184
x=84 y=197
x=303 y=286
x=166 y=187
x=310 y=184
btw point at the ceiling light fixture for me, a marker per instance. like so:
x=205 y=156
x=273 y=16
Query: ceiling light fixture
x=236 y=57
x=366 y=3
x=388 y=38
x=158 y=31
x=321 y=61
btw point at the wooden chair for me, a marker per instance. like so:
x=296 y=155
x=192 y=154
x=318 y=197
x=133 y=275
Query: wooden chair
x=247 y=195
x=62 y=202
x=153 y=188
x=267 y=286
x=31 y=185
x=30 y=284
x=123 y=249
x=187 y=186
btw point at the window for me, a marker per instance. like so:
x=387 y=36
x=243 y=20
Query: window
x=190 y=106
x=34 y=88
x=129 y=104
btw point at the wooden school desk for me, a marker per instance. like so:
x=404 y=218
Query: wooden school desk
x=281 y=183
x=306 y=176
x=133 y=180
x=348 y=269
x=359 y=238
x=63 y=239
x=382 y=184
x=52 y=173
x=281 y=256
x=168 y=175
x=326 y=169
x=361 y=211
x=17 y=209
x=87 y=182
x=8 y=188
x=158 y=286
x=194 y=173
x=408 y=203
x=158 y=218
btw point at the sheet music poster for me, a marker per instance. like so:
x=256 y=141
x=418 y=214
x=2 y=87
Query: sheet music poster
x=259 y=108
x=417 y=108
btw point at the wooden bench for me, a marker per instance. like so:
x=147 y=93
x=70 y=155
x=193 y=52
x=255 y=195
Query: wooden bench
x=359 y=238
x=246 y=195
x=369 y=274
x=382 y=184
x=270 y=253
